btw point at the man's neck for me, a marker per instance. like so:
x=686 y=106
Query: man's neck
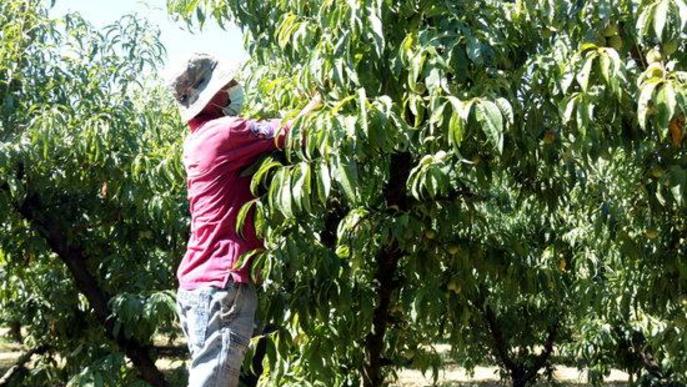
x=200 y=119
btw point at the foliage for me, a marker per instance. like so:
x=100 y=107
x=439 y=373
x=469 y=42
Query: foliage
x=91 y=191
x=499 y=175
x=504 y=177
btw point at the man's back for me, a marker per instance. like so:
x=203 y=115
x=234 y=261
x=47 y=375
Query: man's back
x=214 y=154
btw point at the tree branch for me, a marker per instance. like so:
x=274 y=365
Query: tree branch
x=331 y=223
x=387 y=263
x=499 y=340
x=19 y=367
x=543 y=357
x=75 y=258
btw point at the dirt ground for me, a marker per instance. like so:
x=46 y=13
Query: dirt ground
x=452 y=375
x=488 y=376
x=449 y=376
x=9 y=352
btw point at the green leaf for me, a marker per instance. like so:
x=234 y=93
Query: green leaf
x=437 y=108
x=339 y=105
x=285 y=29
x=417 y=64
x=474 y=51
x=584 y=47
x=644 y=100
x=584 y=74
x=417 y=107
x=644 y=20
x=456 y=125
x=324 y=183
x=414 y=182
x=285 y=197
x=259 y=220
x=605 y=63
x=405 y=49
x=297 y=188
x=678 y=180
x=200 y=15
x=261 y=265
x=459 y=119
x=665 y=104
x=352 y=220
x=260 y=175
x=612 y=71
x=569 y=108
x=362 y=117
x=682 y=10
x=489 y=116
x=245 y=257
x=660 y=16
x=435 y=78
x=347 y=176
x=438 y=181
x=241 y=217
x=506 y=110
x=456 y=129
x=584 y=115
x=301 y=187
x=275 y=187
x=307 y=186
x=377 y=32
x=681 y=97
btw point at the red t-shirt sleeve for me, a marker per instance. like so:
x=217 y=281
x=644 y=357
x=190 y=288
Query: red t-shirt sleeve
x=247 y=139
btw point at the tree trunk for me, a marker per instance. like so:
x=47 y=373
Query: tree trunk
x=15 y=332
x=519 y=381
x=76 y=259
x=520 y=373
x=250 y=378
x=387 y=263
x=18 y=371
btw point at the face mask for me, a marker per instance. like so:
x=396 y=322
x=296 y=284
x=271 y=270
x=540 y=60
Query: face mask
x=235 y=101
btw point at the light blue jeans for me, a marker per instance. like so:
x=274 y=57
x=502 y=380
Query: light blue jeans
x=218 y=324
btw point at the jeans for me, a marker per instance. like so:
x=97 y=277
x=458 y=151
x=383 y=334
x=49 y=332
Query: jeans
x=218 y=324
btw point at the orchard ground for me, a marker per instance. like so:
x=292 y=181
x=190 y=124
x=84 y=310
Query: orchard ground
x=449 y=375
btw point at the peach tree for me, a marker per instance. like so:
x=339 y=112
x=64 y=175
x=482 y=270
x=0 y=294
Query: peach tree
x=507 y=178
x=504 y=176
x=91 y=195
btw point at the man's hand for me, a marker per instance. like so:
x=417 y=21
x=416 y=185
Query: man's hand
x=314 y=103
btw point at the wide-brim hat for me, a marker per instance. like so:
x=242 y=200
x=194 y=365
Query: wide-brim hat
x=197 y=82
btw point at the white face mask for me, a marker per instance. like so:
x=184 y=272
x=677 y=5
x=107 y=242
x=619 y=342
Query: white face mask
x=235 y=101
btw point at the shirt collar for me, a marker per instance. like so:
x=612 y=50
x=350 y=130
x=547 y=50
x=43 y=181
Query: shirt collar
x=199 y=120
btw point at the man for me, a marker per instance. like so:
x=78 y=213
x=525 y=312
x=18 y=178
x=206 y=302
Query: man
x=216 y=304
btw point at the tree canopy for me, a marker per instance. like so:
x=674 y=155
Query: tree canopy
x=507 y=178
x=504 y=176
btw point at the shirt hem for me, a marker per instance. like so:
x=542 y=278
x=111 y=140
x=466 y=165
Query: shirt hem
x=218 y=283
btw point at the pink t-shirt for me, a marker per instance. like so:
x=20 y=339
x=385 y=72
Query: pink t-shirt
x=215 y=153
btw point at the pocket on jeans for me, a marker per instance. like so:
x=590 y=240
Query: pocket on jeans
x=228 y=307
x=195 y=319
x=234 y=350
x=248 y=300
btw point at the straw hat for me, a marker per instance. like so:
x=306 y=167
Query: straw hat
x=199 y=79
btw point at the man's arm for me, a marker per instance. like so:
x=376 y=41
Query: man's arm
x=314 y=103
x=246 y=139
